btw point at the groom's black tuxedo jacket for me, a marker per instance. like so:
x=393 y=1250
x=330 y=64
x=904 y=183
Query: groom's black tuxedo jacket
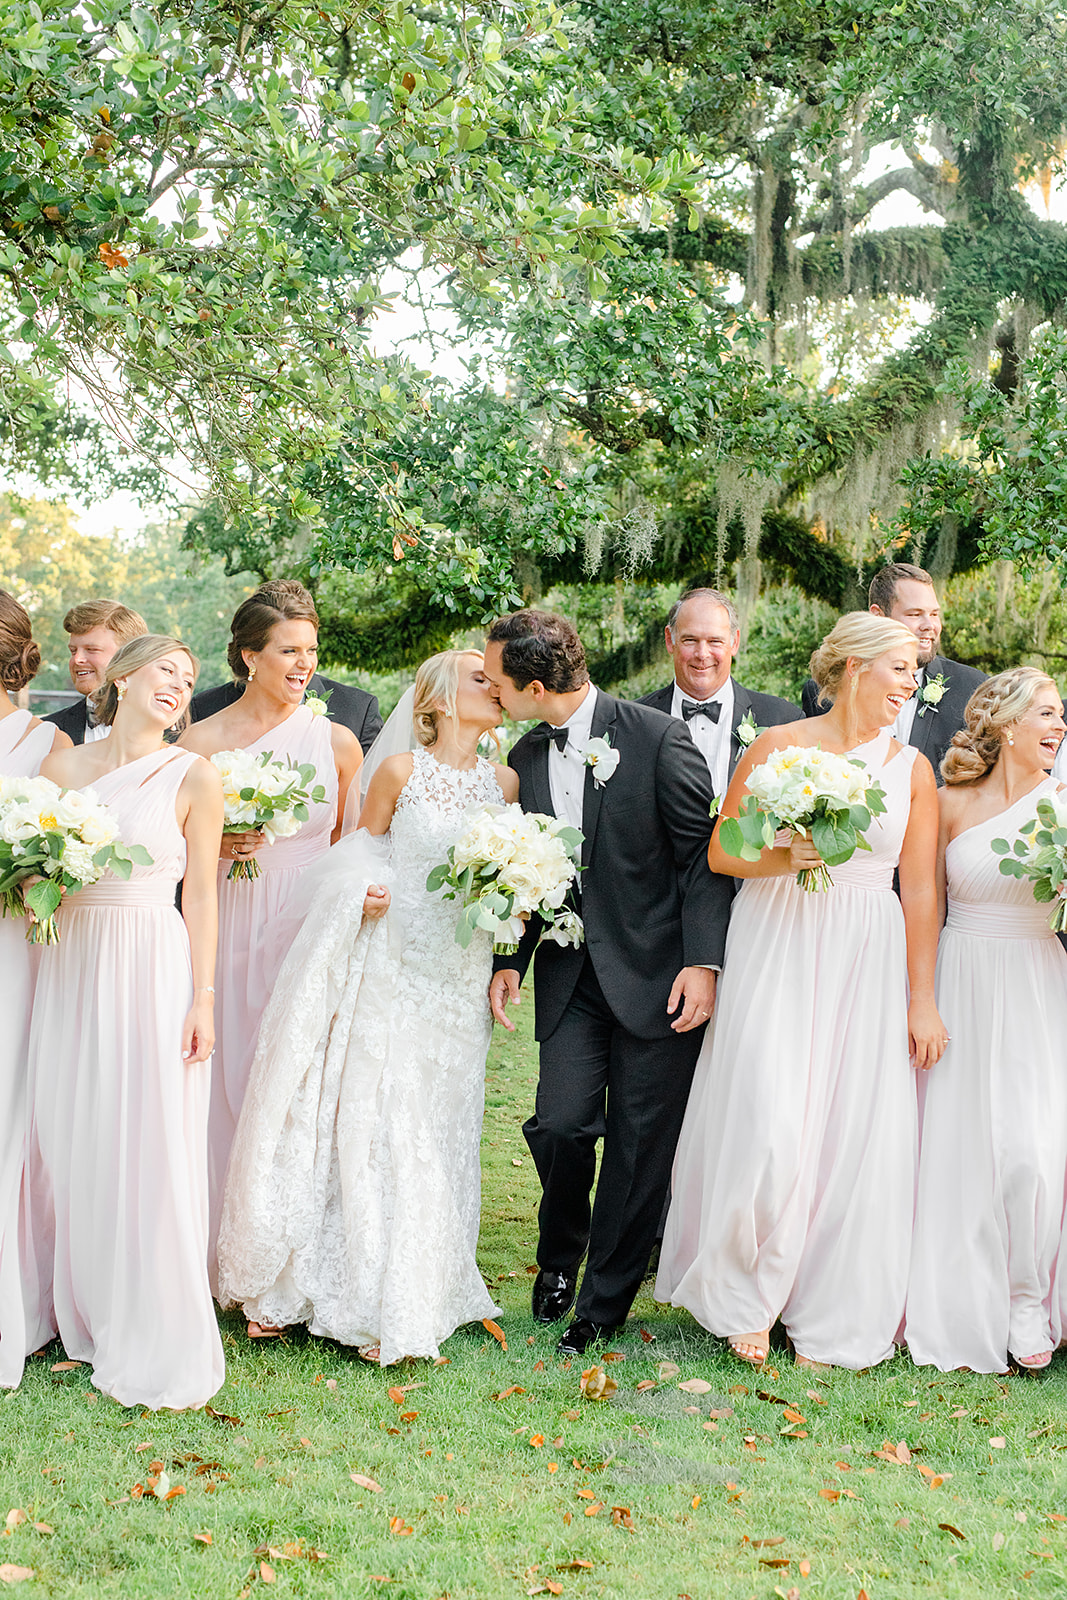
x=932 y=732
x=649 y=901
x=768 y=711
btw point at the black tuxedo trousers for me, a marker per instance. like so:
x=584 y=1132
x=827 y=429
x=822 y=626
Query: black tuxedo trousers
x=590 y=1061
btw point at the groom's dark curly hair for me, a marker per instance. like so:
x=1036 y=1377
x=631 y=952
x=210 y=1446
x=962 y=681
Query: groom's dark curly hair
x=540 y=647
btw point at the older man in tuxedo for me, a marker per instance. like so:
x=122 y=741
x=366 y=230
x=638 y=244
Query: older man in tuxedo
x=619 y=1020
x=703 y=637
x=935 y=711
x=95 y=630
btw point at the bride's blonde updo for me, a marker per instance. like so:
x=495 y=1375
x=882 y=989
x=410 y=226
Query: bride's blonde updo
x=975 y=750
x=436 y=686
x=857 y=636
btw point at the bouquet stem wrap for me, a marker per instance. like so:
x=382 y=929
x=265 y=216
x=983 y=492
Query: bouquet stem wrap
x=806 y=790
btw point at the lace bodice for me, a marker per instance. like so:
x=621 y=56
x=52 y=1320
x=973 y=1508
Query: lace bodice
x=429 y=816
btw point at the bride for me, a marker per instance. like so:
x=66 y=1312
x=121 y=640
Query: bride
x=353 y=1195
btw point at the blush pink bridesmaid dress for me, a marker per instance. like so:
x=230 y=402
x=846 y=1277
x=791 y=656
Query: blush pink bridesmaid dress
x=118 y=1135
x=254 y=937
x=22 y=749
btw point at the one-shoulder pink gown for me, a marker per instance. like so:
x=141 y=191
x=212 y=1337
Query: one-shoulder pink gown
x=21 y=754
x=987 y=1272
x=794 y=1179
x=118 y=1136
x=254 y=938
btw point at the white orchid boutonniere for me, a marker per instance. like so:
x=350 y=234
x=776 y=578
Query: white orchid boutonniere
x=932 y=693
x=747 y=732
x=318 y=704
x=603 y=758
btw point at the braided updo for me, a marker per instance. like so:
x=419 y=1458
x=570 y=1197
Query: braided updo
x=975 y=750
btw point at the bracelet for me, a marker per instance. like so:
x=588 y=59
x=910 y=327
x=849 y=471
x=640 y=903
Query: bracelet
x=204 y=991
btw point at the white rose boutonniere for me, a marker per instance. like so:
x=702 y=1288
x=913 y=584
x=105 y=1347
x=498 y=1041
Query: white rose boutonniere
x=318 y=704
x=932 y=693
x=746 y=732
x=603 y=759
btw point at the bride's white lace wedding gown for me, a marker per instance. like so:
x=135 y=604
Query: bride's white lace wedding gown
x=354 y=1190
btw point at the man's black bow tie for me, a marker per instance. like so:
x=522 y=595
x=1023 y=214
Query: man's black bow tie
x=556 y=736
x=693 y=708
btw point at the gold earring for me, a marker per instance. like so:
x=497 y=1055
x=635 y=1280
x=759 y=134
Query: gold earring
x=120 y=690
x=251 y=672
x=1010 y=739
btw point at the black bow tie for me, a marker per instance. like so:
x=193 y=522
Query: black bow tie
x=556 y=736
x=693 y=708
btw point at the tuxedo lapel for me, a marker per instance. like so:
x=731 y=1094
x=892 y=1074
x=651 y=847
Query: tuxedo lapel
x=539 y=784
x=923 y=733
x=742 y=705
x=603 y=722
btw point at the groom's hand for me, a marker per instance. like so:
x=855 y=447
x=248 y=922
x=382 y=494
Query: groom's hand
x=694 y=991
x=504 y=991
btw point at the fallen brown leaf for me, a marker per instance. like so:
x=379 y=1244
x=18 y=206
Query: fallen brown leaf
x=621 y=1518
x=365 y=1483
x=266 y=1572
x=947 y=1527
x=596 y=1384
x=721 y=1411
x=220 y=1416
x=667 y=1370
x=536 y=1441
x=14 y=1518
x=496 y=1330
x=647 y=1383
x=202 y=1538
x=595 y=1509
x=766 y=1544
x=504 y=1393
x=64 y=1366
x=401 y=1528
x=10 y=1574
x=648 y=1338
x=695 y=1386
x=577 y=1565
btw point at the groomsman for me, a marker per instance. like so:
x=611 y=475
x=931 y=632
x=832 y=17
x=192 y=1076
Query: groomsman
x=943 y=687
x=96 y=629
x=354 y=708
x=703 y=638
x=620 y=1019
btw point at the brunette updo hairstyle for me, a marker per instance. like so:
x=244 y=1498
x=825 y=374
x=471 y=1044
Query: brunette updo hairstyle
x=858 y=635
x=281 y=600
x=975 y=750
x=436 y=686
x=20 y=659
x=129 y=658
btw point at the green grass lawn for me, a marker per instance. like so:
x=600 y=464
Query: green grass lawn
x=496 y=1478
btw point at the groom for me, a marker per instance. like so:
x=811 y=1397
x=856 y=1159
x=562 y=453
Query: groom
x=620 y=1019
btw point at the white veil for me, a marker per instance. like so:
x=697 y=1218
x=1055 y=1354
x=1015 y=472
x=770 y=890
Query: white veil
x=397 y=736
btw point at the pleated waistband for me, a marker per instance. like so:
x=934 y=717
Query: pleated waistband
x=126 y=896
x=999 y=922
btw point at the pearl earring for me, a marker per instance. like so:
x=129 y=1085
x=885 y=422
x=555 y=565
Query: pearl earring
x=1010 y=739
x=251 y=672
x=120 y=690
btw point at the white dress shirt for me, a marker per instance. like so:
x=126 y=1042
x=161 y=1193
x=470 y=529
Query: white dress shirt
x=566 y=767
x=909 y=710
x=712 y=739
x=96 y=730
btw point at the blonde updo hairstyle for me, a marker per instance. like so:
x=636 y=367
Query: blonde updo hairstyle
x=140 y=652
x=992 y=708
x=436 y=687
x=857 y=636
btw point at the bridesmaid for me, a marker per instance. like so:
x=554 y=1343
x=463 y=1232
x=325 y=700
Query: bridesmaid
x=794 y=1179
x=273 y=651
x=119 y=1043
x=24 y=743
x=993 y=1169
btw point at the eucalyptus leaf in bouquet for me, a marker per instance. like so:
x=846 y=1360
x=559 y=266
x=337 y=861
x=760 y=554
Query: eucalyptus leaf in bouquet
x=507 y=865
x=264 y=795
x=55 y=841
x=1040 y=854
x=826 y=797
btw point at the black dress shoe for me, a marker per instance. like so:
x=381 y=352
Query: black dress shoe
x=553 y=1294
x=581 y=1335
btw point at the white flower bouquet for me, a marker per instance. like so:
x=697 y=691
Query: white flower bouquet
x=1040 y=854
x=65 y=840
x=812 y=792
x=262 y=795
x=506 y=865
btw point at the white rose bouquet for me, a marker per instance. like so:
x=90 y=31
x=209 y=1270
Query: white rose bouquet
x=811 y=792
x=1040 y=854
x=262 y=795
x=64 y=839
x=507 y=865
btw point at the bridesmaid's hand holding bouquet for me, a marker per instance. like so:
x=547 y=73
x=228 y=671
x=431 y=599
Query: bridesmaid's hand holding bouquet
x=265 y=796
x=506 y=865
x=826 y=798
x=53 y=841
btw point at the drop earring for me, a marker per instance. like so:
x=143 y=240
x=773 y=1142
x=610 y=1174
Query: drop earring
x=251 y=672
x=120 y=690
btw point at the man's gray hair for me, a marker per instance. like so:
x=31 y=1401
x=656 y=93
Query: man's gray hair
x=716 y=598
